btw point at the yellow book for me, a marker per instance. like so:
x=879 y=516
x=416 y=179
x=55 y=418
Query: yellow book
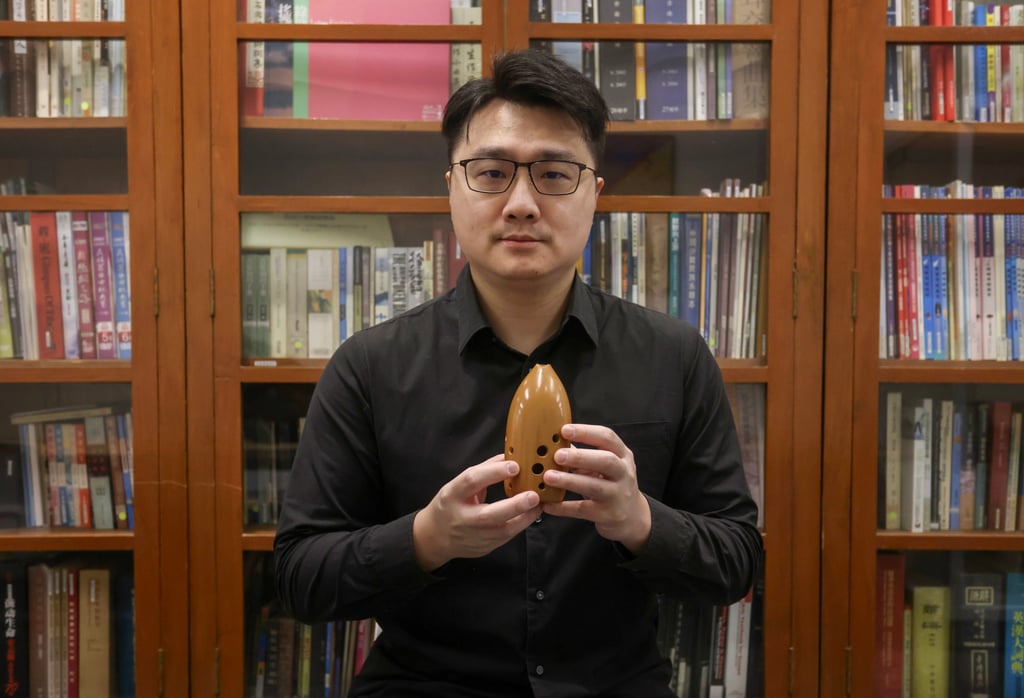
x=930 y=643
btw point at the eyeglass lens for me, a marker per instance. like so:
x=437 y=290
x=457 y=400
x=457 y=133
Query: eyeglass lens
x=493 y=175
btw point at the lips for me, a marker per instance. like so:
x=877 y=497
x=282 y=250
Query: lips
x=519 y=238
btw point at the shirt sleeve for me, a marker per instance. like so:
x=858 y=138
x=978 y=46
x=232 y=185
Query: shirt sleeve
x=704 y=542
x=338 y=552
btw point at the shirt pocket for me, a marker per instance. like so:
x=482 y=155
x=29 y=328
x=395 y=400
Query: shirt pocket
x=651 y=444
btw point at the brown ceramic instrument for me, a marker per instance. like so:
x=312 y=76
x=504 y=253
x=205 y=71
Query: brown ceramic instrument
x=533 y=432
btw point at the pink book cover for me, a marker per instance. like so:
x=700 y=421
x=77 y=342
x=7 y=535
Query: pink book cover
x=83 y=278
x=379 y=81
x=103 y=289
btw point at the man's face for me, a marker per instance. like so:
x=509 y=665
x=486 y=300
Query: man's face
x=521 y=234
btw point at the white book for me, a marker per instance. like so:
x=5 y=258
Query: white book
x=278 y=302
x=912 y=512
x=27 y=290
x=737 y=648
x=321 y=280
x=68 y=284
x=927 y=426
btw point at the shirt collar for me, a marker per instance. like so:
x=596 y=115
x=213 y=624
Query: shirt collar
x=472 y=319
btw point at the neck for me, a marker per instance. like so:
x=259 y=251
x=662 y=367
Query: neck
x=524 y=315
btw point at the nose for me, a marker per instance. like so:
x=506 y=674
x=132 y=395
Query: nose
x=522 y=198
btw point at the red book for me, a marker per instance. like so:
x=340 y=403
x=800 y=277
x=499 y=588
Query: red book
x=251 y=61
x=889 y=625
x=46 y=263
x=72 y=633
x=83 y=279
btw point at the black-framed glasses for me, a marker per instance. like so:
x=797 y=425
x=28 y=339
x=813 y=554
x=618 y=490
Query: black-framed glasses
x=549 y=177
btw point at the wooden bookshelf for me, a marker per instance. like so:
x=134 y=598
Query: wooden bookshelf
x=119 y=163
x=220 y=139
x=866 y=151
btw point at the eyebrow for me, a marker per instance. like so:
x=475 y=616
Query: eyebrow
x=552 y=154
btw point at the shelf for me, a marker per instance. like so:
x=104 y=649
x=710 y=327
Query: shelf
x=59 y=30
x=733 y=33
x=65 y=371
x=895 y=205
x=950 y=540
x=362 y=33
x=258 y=538
x=674 y=126
x=22 y=123
x=952 y=35
x=55 y=540
x=999 y=372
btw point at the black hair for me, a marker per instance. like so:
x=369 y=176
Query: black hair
x=531 y=78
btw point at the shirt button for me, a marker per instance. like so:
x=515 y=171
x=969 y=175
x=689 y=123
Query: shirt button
x=537 y=521
x=540 y=595
x=540 y=670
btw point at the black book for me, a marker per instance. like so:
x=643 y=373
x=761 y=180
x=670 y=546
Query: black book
x=12 y=487
x=14 y=667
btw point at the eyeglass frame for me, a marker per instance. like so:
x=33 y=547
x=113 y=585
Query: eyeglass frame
x=529 y=172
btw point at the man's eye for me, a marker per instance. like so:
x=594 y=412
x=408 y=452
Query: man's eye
x=492 y=174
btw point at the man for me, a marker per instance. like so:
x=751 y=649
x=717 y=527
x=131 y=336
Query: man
x=395 y=507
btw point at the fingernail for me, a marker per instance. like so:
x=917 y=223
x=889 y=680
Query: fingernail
x=561 y=456
x=568 y=431
x=513 y=467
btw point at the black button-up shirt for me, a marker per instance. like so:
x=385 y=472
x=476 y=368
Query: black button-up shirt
x=559 y=611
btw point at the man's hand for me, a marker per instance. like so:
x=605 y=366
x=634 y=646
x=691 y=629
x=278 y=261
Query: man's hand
x=605 y=477
x=459 y=522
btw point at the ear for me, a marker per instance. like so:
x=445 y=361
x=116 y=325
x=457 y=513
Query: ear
x=448 y=179
x=598 y=186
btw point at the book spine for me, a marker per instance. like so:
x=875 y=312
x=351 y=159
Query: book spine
x=103 y=288
x=121 y=272
x=83 y=281
x=46 y=262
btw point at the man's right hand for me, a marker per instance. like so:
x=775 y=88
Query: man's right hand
x=459 y=522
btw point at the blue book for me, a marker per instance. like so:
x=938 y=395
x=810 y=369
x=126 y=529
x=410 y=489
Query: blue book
x=981 y=112
x=665 y=12
x=955 y=465
x=941 y=288
x=124 y=629
x=666 y=80
x=927 y=283
x=343 y=296
x=124 y=435
x=1013 y=672
x=121 y=272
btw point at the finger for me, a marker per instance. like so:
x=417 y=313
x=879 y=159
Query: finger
x=588 y=486
x=571 y=509
x=481 y=476
x=595 y=435
x=500 y=513
x=590 y=461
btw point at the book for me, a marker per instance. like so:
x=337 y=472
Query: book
x=95 y=675
x=889 y=625
x=931 y=641
x=12 y=488
x=102 y=286
x=1013 y=662
x=14 y=669
x=120 y=258
x=977 y=637
x=46 y=264
x=379 y=81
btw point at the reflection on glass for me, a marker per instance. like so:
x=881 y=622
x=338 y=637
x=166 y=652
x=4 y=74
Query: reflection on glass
x=673 y=80
x=276 y=658
x=310 y=280
x=747 y=401
x=92 y=595
x=949 y=623
x=65 y=285
x=353 y=81
x=965 y=83
x=953 y=165
x=950 y=458
x=708 y=268
x=66 y=77
x=950 y=286
x=397 y=12
x=688 y=637
x=67 y=457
